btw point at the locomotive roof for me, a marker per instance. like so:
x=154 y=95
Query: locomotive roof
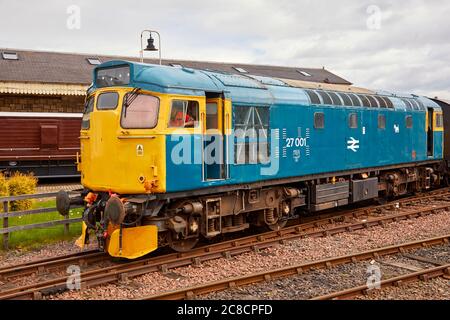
x=251 y=89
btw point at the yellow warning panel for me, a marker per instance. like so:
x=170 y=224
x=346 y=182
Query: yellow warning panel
x=136 y=242
x=82 y=239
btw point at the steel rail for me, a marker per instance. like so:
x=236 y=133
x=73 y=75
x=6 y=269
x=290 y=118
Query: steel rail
x=298 y=269
x=422 y=275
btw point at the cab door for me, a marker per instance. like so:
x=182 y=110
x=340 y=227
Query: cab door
x=430 y=132
x=214 y=137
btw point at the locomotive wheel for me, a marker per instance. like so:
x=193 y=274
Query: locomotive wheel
x=181 y=245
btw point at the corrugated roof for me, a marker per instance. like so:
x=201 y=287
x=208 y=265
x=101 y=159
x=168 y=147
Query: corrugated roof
x=71 y=68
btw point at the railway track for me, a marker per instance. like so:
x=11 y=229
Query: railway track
x=93 y=256
x=119 y=272
x=422 y=275
x=298 y=269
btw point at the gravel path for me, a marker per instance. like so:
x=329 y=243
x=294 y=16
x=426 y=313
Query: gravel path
x=294 y=252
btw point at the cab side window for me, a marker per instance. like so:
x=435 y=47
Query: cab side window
x=184 y=114
x=439 y=120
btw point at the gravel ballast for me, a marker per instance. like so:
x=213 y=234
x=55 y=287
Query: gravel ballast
x=294 y=252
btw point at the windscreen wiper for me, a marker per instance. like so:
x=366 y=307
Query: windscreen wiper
x=130 y=97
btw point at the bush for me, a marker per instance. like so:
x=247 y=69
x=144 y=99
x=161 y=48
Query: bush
x=19 y=184
x=3 y=189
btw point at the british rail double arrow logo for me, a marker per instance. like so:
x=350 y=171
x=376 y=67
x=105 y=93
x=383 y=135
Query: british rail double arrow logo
x=353 y=144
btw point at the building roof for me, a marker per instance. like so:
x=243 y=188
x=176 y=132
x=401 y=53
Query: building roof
x=72 y=68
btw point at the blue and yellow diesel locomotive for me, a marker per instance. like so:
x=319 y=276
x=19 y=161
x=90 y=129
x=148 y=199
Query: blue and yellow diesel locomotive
x=170 y=155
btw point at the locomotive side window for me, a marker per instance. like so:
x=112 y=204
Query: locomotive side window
x=319 y=120
x=184 y=114
x=313 y=97
x=353 y=120
x=88 y=108
x=251 y=135
x=381 y=121
x=409 y=122
x=107 y=101
x=439 y=120
x=140 y=113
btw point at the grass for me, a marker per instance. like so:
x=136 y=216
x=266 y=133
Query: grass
x=32 y=239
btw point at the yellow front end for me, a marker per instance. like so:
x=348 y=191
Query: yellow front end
x=124 y=161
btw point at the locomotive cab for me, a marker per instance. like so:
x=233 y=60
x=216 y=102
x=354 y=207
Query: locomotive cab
x=125 y=132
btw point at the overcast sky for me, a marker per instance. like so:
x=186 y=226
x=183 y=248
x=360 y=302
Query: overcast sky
x=381 y=44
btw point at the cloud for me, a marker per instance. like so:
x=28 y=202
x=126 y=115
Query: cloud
x=409 y=51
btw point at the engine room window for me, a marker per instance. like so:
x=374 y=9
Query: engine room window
x=251 y=135
x=319 y=120
x=381 y=121
x=88 y=108
x=353 y=120
x=140 y=111
x=107 y=101
x=184 y=114
x=409 y=122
